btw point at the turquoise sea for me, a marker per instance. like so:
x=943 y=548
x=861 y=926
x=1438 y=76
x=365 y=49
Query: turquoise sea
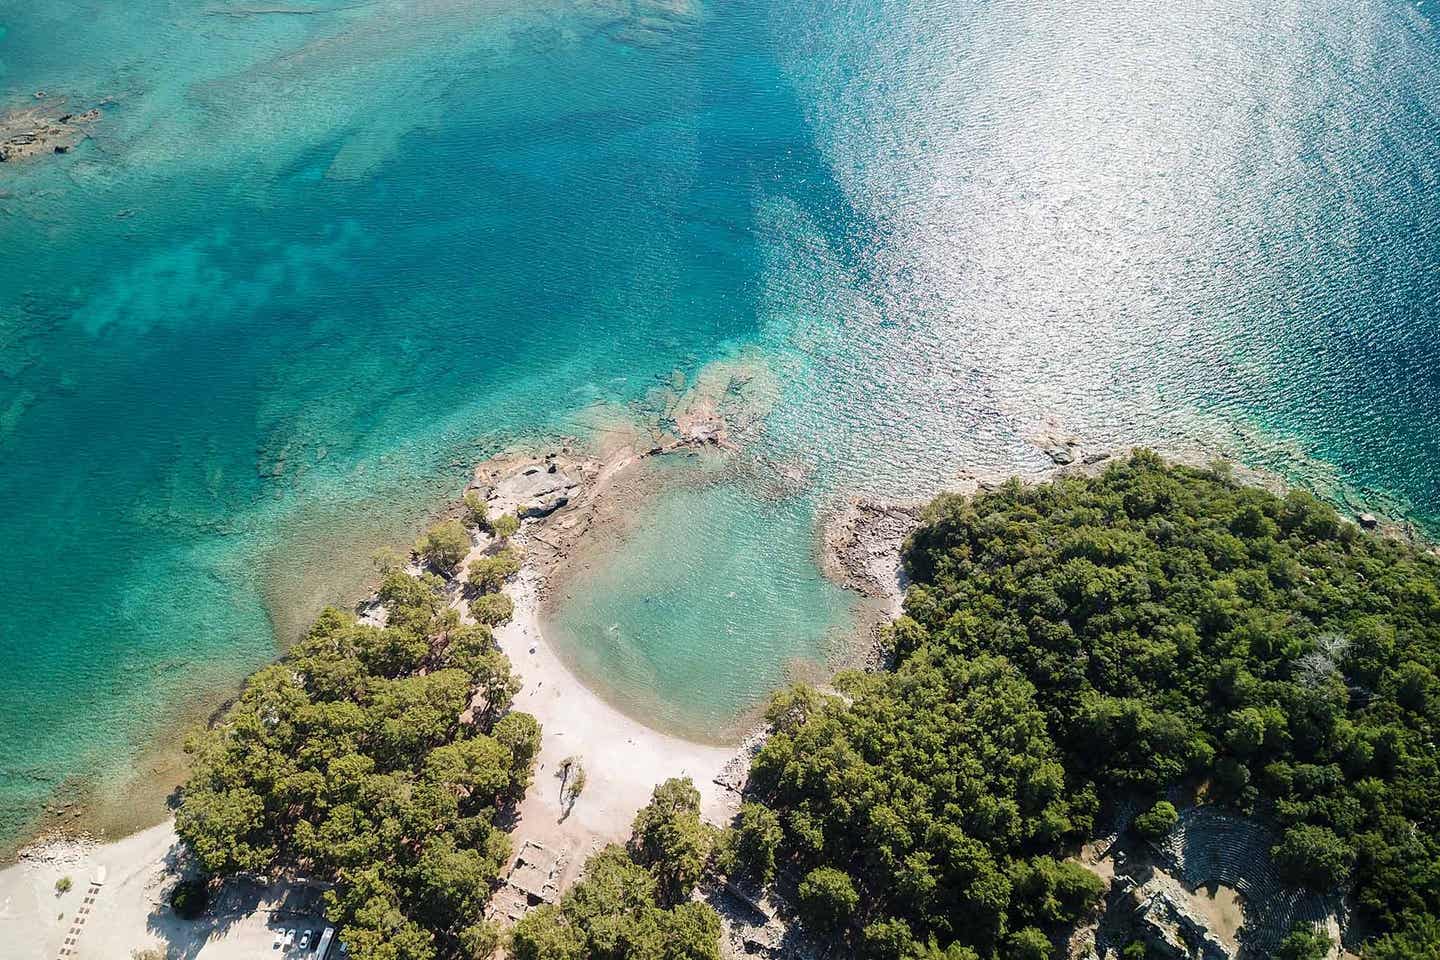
x=321 y=255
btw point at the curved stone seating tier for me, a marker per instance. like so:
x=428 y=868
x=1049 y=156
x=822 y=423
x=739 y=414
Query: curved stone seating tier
x=1210 y=846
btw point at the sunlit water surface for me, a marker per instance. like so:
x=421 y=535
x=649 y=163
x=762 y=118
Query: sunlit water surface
x=320 y=256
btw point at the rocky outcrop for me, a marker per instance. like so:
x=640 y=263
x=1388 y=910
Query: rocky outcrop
x=862 y=546
x=535 y=488
x=1064 y=448
x=1165 y=921
x=36 y=131
x=736 y=774
x=1062 y=454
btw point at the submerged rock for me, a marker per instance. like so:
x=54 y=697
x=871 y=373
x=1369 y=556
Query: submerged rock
x=34 y=132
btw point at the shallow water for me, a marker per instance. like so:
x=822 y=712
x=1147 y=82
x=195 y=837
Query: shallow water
x=314 y=263
x=710 y=597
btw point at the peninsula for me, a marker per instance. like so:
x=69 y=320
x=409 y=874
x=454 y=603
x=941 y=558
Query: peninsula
x=1106 y=695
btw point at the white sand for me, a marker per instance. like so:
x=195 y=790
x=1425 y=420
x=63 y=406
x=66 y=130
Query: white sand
x=129 y=910
x=34 y=920
x=623 y=759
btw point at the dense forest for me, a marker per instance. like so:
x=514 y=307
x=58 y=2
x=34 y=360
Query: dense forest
x=1068 y=649
x=377 y=759
x=1096 y=639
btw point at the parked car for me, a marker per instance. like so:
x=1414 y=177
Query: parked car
x=305 y=940
x=279 y=940
x=289 y=936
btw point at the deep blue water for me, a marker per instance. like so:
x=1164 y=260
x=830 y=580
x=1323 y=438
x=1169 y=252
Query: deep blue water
x=318 y=257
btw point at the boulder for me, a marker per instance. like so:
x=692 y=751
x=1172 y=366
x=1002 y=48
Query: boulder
x=541 y=506
x=1368 y=520
x=1061 y=454
x=535 y=490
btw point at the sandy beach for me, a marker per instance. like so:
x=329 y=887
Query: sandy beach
x=126 y=911
x=623 y=759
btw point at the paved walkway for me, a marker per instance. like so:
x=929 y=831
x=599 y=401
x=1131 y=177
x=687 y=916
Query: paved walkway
x=72 y=939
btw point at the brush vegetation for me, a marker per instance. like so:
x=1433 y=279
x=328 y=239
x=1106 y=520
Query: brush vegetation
x=1117 y=636
x=375 y=759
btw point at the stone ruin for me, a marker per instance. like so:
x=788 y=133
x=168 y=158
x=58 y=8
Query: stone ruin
x=1211 y=846
x=1162 y=912
x=533 y=880
x=1156 y=893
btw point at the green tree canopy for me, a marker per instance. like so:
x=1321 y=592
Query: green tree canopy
x=360 y=760
x=492 y=609
x=505 y=526
x=444 y=545
x=489 y=573
x=1154 y=627
x=1304 y=943
x=477 y=512
x=669 y=837
x=614 y=913
x=827 y=900
x=1158 y=820
x=751 y=845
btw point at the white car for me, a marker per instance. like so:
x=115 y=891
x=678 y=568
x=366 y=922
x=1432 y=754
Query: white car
x=305 y=940
x=289 y=937
x=279 y=940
